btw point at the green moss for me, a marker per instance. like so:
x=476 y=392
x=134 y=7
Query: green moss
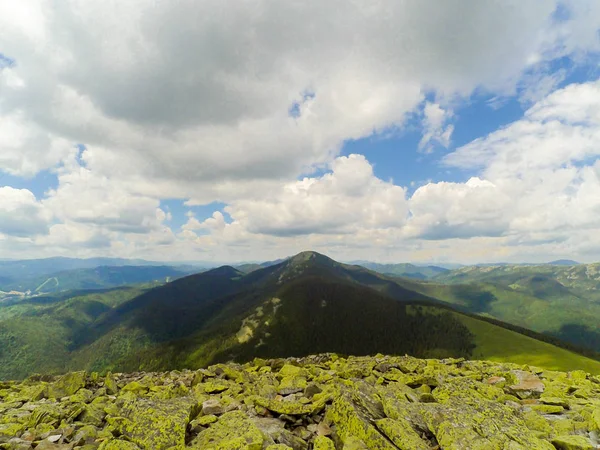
x=118 y=444
x=67 y=385
x=292 y=384
x=402 y=434
x=213 y=387
x=323 y=443
x=136 y=388
x=595 y=420
x=351 y=426
x=547 y=409
x=110 y=384
x=154 y=423
x=573 y=443
x=11 y=430
x=206 y=420
x=233 y=431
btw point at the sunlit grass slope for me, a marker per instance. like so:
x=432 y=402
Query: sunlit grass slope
x=494 y=343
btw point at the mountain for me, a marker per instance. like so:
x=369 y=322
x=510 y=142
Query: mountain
x=17 y=269
x=305 y=304
x=562 y=301
x=101 y=277
x=319 y=402
x=406 y=270
x=563 y=262
x=250 y=267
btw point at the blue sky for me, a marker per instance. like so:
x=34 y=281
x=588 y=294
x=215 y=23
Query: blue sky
x=421 y=132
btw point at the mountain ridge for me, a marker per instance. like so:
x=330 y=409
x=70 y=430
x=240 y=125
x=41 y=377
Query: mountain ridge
x=305 y=304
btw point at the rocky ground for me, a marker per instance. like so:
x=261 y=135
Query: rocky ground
x=321 y=402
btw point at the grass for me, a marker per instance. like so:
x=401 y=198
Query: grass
x=544 y=315
x=491 y=344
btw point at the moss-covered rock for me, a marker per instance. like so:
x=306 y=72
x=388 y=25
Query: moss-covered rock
x=66 y=385
x=118 y=444
x=111 y=385
x=158 y=424
x=573 y=443
x=322 y=402
x=323 y=443
x=233 y=431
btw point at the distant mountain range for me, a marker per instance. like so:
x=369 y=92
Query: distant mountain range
x=303 y=305
x=100 y=277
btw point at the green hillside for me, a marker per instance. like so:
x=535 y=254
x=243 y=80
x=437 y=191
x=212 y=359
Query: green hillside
x=101 y=277
x=406 y=270
x=36 y=335
x=307 y=304
x=562 y=301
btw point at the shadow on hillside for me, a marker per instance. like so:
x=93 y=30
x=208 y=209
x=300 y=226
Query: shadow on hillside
x=475 y=299
x=580 y=335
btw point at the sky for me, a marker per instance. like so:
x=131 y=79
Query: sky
x=462 y=131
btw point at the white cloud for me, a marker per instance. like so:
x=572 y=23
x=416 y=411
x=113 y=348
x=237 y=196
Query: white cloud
x=190 y=96
x=21 y=215
x=345 y=200
x=191 y=100
x=435 y=127
x=546 y=165
x=86 y=198
x=459 y=210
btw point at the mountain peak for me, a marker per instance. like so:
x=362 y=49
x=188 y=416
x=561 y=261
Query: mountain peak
x=309 y=259
x=223 y=271
x=310 y=256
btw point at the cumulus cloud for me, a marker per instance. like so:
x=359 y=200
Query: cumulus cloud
x=459 y=210
x=21 y=215
x=342 y=201
x=546 y=164
x=198 y=93
x=237 y=101
x=86 y=198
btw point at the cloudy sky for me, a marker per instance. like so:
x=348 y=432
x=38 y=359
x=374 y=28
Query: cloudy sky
x=388 y=130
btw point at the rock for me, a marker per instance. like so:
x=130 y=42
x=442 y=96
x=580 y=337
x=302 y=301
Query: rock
x=402 y=434
x=66 y=385
x=495 y=380
x=118 y=444
x=311 y=390
x=84 y=435
x=207 y=420
x=323 y=429
x=573 y=443
x=323 y=443
x=92 y=415
x=232 y=431
x=47 y=445
x=10 y=430
x=135 y=387
x=212 y=407
x=16 y=444
x=353 y=425
x=321 y=402
x=110 y=384
x=214 y=387
x=292 y=385
x=154 y=423
x=527 y=383
x=547 y=409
